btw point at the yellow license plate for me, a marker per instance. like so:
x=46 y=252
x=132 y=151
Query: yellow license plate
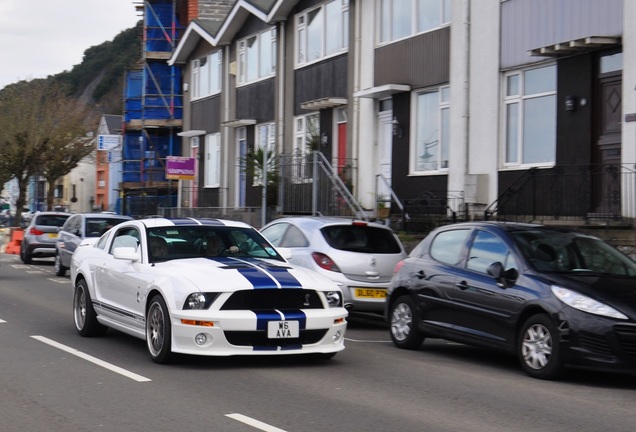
x=369 y=293
x=52 y=235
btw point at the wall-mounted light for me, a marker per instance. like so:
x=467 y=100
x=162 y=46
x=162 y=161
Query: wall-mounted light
x=570 y=102
x=397 y=128
x=186 y=87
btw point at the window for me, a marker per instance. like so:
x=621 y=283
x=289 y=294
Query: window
x=266 y=139
x=306 y=140
x=212 y=160
x=429 y=149
x=488 y=249
x=322 y=31
x=530 y=117
x=206 y=75
x=447 y=246
x=257 y=56
x=404 y=18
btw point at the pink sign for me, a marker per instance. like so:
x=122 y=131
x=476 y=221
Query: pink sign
x=179 y=168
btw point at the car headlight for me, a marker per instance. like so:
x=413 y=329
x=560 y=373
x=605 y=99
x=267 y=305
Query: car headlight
x=199 y=300
x=585 y=304
x=334 y=298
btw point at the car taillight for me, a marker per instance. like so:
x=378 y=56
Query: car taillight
x=35 y=231
x=324 y=262
x=398 y=266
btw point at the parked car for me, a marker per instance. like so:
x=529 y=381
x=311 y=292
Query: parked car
x=359 y=256
x=555 y=298
x=40 y=235
x=77 y=228
x=157 y=280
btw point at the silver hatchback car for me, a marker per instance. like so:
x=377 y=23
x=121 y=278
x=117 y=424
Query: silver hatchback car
x=360 y=256
x=41 y=234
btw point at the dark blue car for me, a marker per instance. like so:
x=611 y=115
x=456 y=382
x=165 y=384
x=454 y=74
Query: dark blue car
x=555 y=298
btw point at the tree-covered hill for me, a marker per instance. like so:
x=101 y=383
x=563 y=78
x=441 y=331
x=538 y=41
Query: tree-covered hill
x=99 y=79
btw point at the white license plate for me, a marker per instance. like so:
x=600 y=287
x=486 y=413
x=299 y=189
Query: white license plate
x=283 y=329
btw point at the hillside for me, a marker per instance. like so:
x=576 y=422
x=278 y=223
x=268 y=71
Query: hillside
x=99 y=79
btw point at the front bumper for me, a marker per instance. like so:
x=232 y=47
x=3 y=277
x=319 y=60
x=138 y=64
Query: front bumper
x=595 y=342
x=237 y=333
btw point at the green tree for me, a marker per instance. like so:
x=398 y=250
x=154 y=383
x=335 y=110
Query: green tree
x=41 y=134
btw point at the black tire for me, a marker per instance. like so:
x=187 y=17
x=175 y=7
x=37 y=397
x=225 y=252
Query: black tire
x=403 y=324
x=24 y=256
x=84 y=315
x=159 y=331
x=538 y=348
x=60 y=270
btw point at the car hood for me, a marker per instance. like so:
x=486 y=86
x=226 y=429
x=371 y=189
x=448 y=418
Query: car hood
x=231 y=274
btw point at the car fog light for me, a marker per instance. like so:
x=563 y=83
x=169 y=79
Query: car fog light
x=200 y=339
x=337 y=336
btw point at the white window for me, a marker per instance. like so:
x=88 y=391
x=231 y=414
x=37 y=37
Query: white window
x=206 y=75
x=265 y=142
x=403 y=18
x=322 y=31
x=212 y=160
x=306 y=140
x=530 y=117
x=429 y=149
x=257 y=56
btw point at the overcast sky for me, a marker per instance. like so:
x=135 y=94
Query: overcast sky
x=45 y=37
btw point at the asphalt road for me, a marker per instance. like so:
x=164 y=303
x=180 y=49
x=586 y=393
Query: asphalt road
x=53 y=380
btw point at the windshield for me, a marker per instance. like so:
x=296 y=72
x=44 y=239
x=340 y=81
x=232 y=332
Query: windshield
x=176 y=242
x=554 y=251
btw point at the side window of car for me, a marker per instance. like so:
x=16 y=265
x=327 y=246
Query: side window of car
x=127 y=237
x=274 y=234
x=447 y=246
x=488 y=248
x=294 y=238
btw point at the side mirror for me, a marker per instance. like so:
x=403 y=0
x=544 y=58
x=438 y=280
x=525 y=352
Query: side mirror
x=126 y=253
x=505 y=278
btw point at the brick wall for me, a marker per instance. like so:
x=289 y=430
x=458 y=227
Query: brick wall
x=215 y=10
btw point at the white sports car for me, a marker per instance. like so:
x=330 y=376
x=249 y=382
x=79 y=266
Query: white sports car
x=204 y=287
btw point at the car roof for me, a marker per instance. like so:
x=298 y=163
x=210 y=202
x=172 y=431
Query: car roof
x=510 y=226
x=315 y=222
x=153 y=222
x=105 y=215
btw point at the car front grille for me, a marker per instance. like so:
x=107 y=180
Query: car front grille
x=280 y=299
x=595 y=343
x=627 y=338
x=259 y=340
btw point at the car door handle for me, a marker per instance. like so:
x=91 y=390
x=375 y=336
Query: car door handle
x=462 y=285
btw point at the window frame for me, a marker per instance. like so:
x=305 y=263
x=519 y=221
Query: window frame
x=520 y=99
x=303 y=39
x=206 y=79
x=442 y=137
x=212 y=170
x=386 y=11
x=247 y=73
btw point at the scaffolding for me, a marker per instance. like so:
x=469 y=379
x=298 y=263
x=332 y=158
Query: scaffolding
x=153 y=113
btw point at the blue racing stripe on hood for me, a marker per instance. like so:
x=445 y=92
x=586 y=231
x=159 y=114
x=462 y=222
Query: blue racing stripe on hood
x=261 y=275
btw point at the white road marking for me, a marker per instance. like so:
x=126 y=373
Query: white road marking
x=59 y=280
x=254 y=423
x=98 y=362
x=2 y=321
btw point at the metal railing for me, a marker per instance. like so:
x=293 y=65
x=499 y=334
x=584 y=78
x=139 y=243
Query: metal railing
x=311 y=185
x=605 y=192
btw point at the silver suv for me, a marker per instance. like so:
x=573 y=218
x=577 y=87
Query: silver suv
x=41 y=234
x=77 y=228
